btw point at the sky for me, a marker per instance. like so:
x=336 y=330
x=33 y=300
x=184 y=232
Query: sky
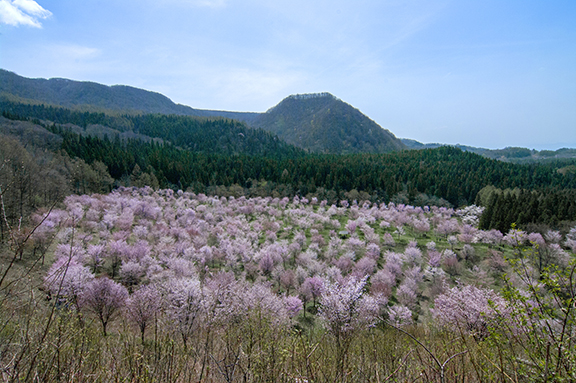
x=485 y=73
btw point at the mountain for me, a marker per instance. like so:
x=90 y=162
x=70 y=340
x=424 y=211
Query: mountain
x=92 y=96
x=219 y=136
x=323 y=123
x=508 y=154
x=315 y=122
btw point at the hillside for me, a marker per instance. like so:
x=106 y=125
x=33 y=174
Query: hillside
x=323 y=123
x=197 y=134
x=508 y=154
x=317 y=122
x=92 y=96
x=179 y=281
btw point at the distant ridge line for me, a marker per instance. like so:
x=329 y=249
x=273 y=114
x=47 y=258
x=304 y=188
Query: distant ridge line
x=308 y=96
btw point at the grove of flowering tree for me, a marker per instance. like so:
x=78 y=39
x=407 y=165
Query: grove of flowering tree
x=232 y=279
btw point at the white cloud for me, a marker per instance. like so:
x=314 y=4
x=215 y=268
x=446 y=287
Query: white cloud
x=22 y=12
x=32 y=7
x=73 y=52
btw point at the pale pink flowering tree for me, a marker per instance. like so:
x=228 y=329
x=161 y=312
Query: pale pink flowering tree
x=536 y=240
x=515 y=237
x=434 y=258
x=553 y=236
x=293 y=305
x=345 y=263
x=412 y=255
x=393 y=263
x=131 y=273
x=382 y=282
x=388 y=240
x=344 y=310
x=450 y=262
x=351 y=226
x=104 y=298
x=266 y=264
x=452 y=241
x=185 y=304
x=287 y=280
x=312 y=289
x=446 y=227
x=373 y=251
x=66 y=280
x=468 y=309
x=571 y=243
x=399 y=316
x=364 y=267
x=143 y=306
x=421 y=226
x=407 y=292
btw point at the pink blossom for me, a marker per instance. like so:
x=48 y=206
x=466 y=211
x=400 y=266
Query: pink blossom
x=142 y=306
x=293 y=305
x=67 y=278
x=382 y=282
x=553 y=236
x=312 y=288
x=364 y=267
x=468 y=308
x=104 y=298
x=344 y=308
x=400 y=316
x=536 y=239
x=515 y=237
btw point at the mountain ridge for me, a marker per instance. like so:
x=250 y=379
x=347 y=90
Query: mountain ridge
x=321 y=122
x=313 y=128
x=78 y=94
x=508 y=154
x=339 y=128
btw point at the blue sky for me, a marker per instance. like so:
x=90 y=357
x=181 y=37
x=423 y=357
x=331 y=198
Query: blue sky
x=476 y=72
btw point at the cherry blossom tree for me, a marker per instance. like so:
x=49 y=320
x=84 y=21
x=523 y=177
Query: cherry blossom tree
x=468 y=309
x=104 y=298
x=185 y=304
x=400 y=316
x=344 y=310
x=311 y=289
x=143 y=306
x=67 y=279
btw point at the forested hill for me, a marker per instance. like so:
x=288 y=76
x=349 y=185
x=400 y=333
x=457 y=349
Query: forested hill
x=323 y=123
x=440 y=176
x=509 y=154
x=212 y=163
x=92 y=96
x=198 y=153
x=197 y=134
x=318 y=123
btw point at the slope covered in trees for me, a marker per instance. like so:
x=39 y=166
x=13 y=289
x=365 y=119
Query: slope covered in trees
x=509 y=154
x=157 y=285
x=409 y=177
x=224 y=157
x=319 y=123
x=198 y=134
x=324 y=124
x=93 y=96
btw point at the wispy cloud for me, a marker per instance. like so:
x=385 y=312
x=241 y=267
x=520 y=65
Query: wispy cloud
x=74 y=52
x=22 y=12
